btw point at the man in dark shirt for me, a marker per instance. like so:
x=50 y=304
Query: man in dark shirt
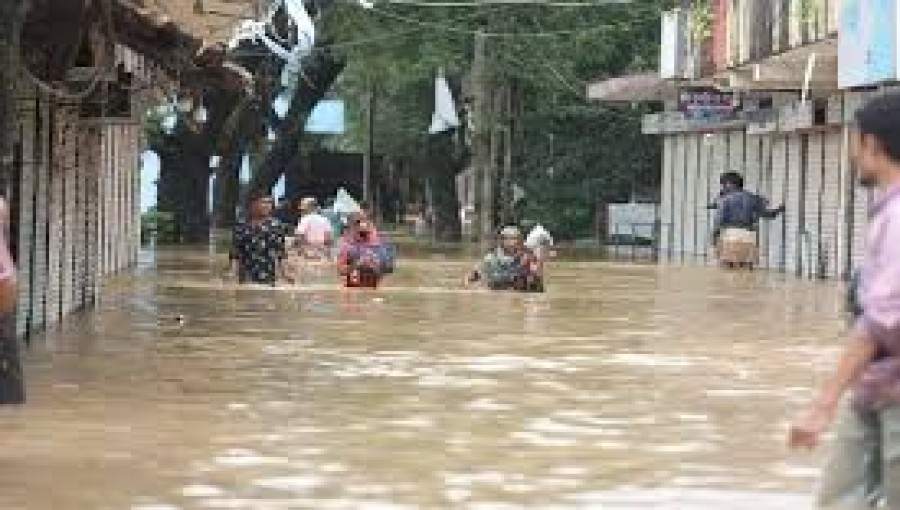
x=258 y=246
x=738 y=212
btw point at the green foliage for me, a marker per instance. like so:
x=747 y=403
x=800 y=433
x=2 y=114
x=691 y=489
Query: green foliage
x=548 y=53
x=158 y=226
x=702 y=21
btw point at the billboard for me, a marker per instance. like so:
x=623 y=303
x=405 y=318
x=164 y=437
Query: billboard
x=867 y=43
x=706 y=103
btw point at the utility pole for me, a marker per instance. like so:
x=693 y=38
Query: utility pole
x=481 y=150
x=508 y=193
x=370 y=144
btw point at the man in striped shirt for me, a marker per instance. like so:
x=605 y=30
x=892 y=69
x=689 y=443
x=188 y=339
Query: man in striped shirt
x=864 y=471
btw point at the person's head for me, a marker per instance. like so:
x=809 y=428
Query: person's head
x=358 y=225
x=510 y=238
x=876 y=141
x=261 y=205
x=731 y=181
x=309 y=205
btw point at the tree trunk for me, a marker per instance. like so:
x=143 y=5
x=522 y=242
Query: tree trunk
x=320 y=71
x=444 y=165
x=12 y=13
x=183 y=188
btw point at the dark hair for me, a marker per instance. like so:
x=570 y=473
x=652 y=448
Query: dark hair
x=880 y=117
x=733 y=178
x=256 y=196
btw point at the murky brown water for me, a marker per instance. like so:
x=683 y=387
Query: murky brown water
x=623 y=387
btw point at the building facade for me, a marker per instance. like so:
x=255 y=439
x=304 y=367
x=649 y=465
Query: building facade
x=768 y=88
x=74 y=196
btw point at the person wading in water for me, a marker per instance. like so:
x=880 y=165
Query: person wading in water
x=258 y=249
x=509 y=266
x=738 y=212
x=314 y=233
x=363 y=259
x=864 y=470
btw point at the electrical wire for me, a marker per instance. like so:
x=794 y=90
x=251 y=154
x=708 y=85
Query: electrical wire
x=480 y=3
x=473 y=32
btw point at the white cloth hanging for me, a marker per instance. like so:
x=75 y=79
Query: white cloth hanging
x=445 y=117
x=345 y=204
x=539 y=236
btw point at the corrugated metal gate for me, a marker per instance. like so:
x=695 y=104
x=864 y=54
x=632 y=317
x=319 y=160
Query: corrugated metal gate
x=830 y=204
x=678 y=194
x=65 y=243
x=778 y=228
x=794 y=193
x=811 y=238
x=692 y=159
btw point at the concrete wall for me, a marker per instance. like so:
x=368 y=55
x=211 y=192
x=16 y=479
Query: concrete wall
x=75 y=207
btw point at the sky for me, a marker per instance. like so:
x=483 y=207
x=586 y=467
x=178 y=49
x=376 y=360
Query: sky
x=328 y=118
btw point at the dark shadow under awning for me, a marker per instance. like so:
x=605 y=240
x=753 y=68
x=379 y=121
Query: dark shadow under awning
x=633 y=88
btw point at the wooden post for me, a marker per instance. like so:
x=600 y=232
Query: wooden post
x=12 y=14
x=508 y=194
x=370 y=144
x=481 y=149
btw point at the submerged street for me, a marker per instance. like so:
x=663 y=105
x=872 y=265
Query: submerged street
x=622 y=387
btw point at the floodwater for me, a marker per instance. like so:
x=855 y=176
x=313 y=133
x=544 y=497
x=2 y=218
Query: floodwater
x=624 y=387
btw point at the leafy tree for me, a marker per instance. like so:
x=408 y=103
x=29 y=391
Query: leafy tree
x=588 y=153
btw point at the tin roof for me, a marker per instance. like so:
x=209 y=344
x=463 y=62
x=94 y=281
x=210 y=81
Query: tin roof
x=633 y=88
x=213 y=20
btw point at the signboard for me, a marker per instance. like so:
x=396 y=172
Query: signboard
x=867 y=43
x=706 y=104
x=796 y=117
x=327 y=118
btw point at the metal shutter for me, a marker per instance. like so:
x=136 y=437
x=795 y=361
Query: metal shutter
x=704 y=176
x=811 y=241
x=678 y=198
x=860 y=215
x=794 y=203
x=830 y=203
x=736 y=151
x=778 y=194
x=764 y=188
x=665 y=200
x=752 y=163
x=690 y=197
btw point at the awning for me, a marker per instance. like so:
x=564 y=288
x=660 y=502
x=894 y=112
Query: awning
x=633 y=88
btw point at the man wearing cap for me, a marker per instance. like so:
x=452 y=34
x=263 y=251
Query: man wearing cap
x=314 y=234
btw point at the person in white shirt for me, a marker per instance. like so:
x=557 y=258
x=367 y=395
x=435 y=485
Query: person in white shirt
x=540 y=242
x=314 y=234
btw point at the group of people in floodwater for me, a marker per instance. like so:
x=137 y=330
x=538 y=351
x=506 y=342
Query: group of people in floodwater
x=267 y=249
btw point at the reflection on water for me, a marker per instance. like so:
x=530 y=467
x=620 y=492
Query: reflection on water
x=623 y=387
